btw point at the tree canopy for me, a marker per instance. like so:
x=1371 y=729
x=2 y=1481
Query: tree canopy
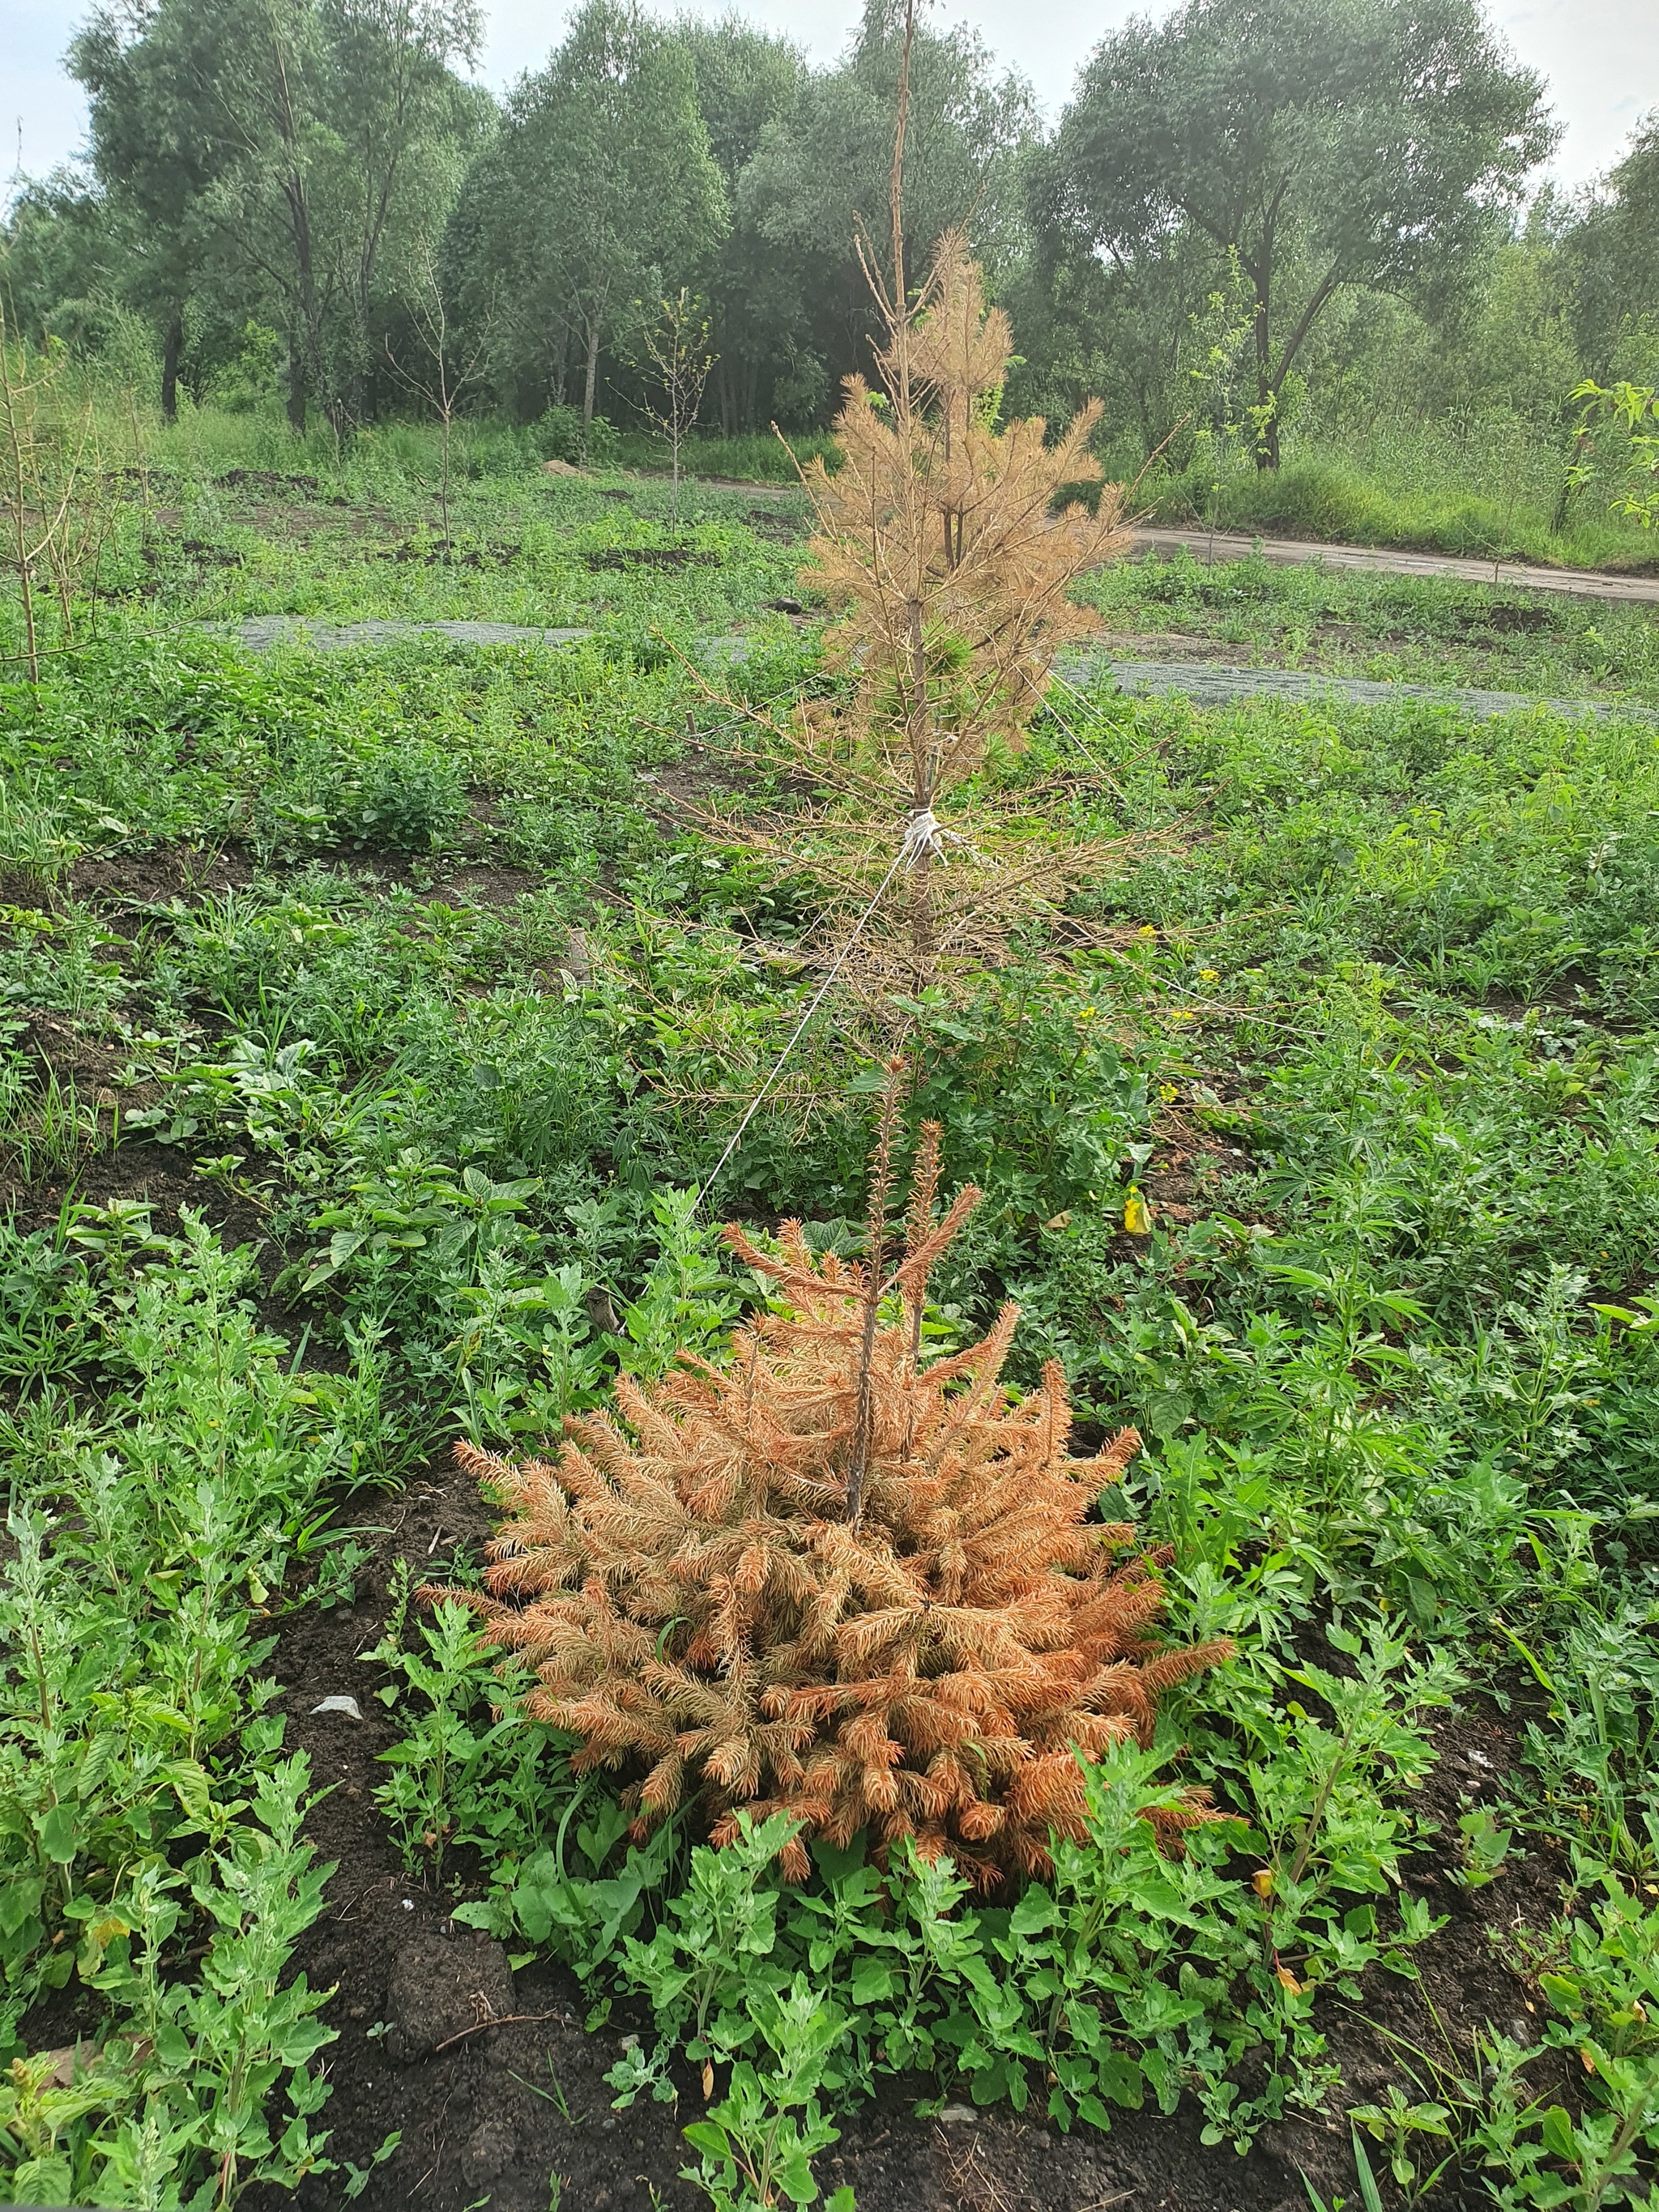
x=600 y=186
x=1253 y=215
x=1315 y=145
x=277 y=152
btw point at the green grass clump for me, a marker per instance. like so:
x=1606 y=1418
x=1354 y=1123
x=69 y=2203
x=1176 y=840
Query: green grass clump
x=761 y=458
x=1324 y=499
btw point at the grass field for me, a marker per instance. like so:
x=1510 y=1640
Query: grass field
x=1492 y=490
x=368 y=1022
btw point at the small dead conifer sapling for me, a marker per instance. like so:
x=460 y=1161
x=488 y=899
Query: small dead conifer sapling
x=826 y=1579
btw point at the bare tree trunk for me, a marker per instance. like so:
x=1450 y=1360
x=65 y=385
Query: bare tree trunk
x=296 y=386
x=173 y=346
x=443 y=476
x=592 y=379
x=875 y=1262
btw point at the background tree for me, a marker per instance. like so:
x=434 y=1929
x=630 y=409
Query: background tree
x=1105 y=324
x=1612 y=257
x=155 y=154
x=1342 y=174
x=747 y=80
x=816 y=176
x=62 y=247
x=273 y=151
x=602 y=189
x=1323 y=144
x=405 y=124
x=433 y=371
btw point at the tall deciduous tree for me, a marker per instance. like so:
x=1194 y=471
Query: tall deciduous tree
x=155 y=152
x=601 y=188
x=1612 y=253
x=1325 y=143
x=405 y=125
x=277 y=149
x=747 y=80
x=62 y=247
x=819 y=173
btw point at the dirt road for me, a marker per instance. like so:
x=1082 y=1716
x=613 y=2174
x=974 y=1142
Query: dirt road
x=1388 y=560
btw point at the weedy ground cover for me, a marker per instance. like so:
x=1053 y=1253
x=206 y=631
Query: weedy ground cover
x=1317 y=1141
x=1399 y=628
x=1496 y=490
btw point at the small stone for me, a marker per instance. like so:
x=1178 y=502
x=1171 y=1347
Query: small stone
x=954 y=2113
x=490 y=2150
x=438 y=1992
x=349 y=1706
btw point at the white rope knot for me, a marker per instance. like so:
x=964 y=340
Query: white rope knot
x=924 y=833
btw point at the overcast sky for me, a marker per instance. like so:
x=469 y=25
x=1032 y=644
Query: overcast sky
x=1601 y=57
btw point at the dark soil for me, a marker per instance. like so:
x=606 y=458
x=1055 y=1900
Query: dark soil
x=159 y=875
x=164 y=1179
x=195 y=550
x=136 y=882
x=781 y=529
x=1508 y=617
x=473 y=2066
x=267 y=480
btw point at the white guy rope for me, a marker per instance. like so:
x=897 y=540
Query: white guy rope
x=922 y=834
